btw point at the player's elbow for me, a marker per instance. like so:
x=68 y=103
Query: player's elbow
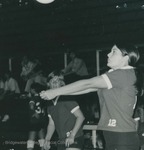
x=83 y=118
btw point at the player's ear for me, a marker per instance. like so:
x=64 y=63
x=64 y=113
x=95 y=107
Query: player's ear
x=126 y=59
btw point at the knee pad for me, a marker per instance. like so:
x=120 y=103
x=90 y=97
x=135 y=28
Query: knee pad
x=41 y=142
x=30 y=144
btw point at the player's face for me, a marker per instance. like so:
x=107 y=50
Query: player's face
x=72 y=55
x=115 y=58
x=56 y=82
x=32 y=91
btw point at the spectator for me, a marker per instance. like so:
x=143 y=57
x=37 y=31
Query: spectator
x=139 y=118
x=1 y=93
x=1 y=86
x=76 y=68
x=10 y=93
x=32 y=73
x=28 y=65
x=11 y=84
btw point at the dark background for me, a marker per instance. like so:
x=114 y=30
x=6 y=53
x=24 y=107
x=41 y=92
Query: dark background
x=46 y=31
x=27 y=26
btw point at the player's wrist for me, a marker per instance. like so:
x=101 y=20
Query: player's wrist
x=55 y=94
x=72 y=135
x=47 y=139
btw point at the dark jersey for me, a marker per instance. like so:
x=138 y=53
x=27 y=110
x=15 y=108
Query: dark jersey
x=38 y=114
x=63 y=117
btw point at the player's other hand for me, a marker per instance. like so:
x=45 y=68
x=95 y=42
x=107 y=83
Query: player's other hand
x=47 y=95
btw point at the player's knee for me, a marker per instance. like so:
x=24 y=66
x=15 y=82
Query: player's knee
x=30 y=144
x=41 y=142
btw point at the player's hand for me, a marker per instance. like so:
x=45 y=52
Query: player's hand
x=69 y=140
x=46 y=145
x=47 y=95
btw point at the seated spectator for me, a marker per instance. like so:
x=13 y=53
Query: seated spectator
x=10 y=92
x=1 y=91
x=139 y=118
x=28 y=65
x=32 y=72
x=76 y=67
x=11 y=86
x=1 y=86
